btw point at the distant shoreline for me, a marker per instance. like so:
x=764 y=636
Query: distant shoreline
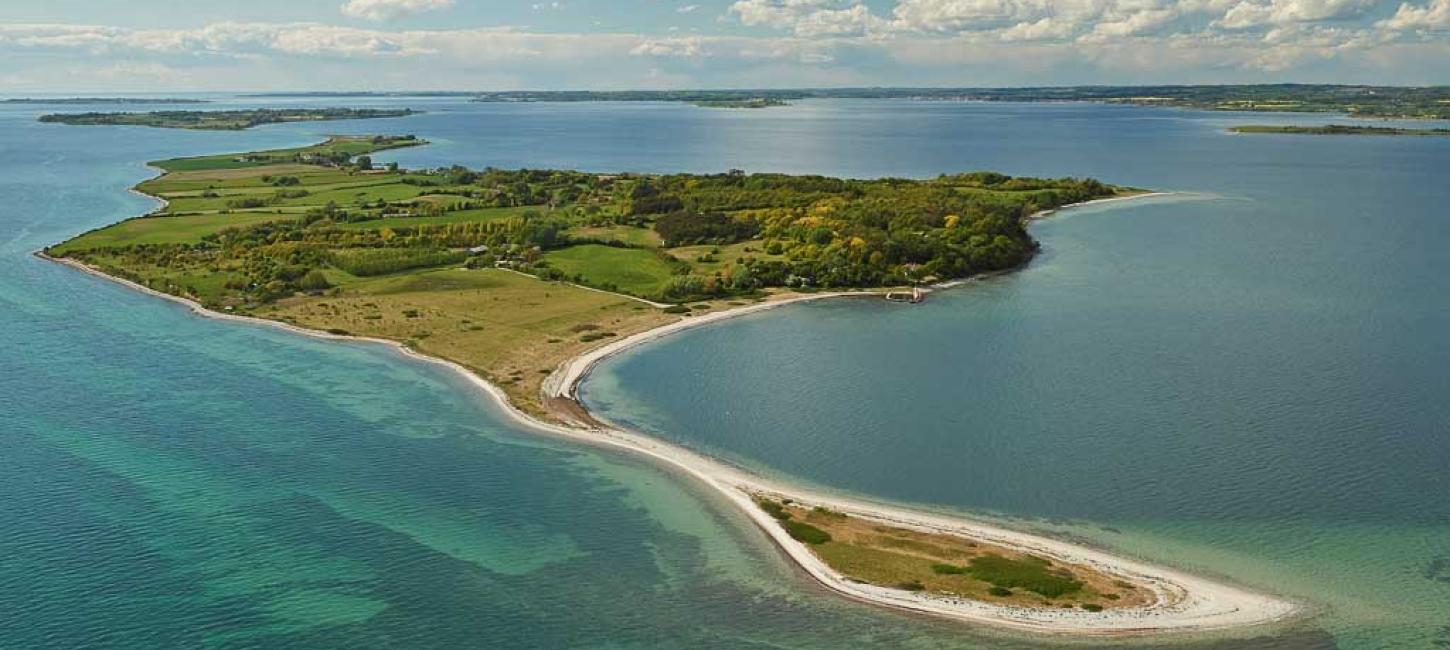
x=1336 y=129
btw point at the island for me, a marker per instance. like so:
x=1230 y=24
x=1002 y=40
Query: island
x=62 y=101
x=231 y=120
x=1335 y=129
x=523 y=280
x=758 y=102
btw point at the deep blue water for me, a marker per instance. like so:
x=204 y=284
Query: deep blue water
x=1246 y=385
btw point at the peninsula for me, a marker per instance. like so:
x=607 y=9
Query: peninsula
x=523 y=280
x=230 y=120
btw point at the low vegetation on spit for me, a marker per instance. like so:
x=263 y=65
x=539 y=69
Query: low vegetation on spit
x=510 y=272
x=944 y=565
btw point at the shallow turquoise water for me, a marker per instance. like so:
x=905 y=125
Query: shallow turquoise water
x=176 y=482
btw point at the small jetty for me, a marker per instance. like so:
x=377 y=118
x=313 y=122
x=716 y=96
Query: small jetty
x=914 y=296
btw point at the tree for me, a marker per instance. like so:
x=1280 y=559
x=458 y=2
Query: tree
x=314 y=281
x=365 y=163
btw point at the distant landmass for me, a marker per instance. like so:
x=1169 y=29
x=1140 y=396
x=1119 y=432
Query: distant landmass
x=363 y=93
x=1423 y=102
x=1432 y=102
x=1336 y=129
x=223 y=120
x=743 y=103
x=102 y=100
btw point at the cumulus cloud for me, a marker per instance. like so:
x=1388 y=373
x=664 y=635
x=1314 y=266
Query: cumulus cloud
x=669 y=47
x=807 y=17
x=1083 y=21
x=1286 y=12
x=946 y=16
x=1431 y=17
x=384 y=10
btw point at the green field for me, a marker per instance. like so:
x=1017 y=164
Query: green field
x=634 y=271
x=631 y=235
x=480 y=215
x=164 y=230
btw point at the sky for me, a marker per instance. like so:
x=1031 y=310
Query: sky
x=199 y=45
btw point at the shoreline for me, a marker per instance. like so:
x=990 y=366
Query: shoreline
x=1184 y=603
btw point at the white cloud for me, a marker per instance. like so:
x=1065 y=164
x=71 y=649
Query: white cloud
x=383 y=10
x=946 y=16
x=669 y=47
x=1045 y=29
x=687 y=9
x=808 y=17
x=1072 y=20
x=1432 y=17
x=1249 y=14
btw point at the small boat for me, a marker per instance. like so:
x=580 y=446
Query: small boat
x=914 y=296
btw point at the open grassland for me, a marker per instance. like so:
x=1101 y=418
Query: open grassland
x=164 y=230
x=948 y=565
x=509 y=328
x=628 y=235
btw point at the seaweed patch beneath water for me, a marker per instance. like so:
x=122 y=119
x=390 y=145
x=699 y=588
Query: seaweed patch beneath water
x=1438 y=570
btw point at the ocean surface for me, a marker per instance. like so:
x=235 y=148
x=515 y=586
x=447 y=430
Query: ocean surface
x=1249 y=381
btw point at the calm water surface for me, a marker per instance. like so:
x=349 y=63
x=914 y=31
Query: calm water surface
x=1246 y=385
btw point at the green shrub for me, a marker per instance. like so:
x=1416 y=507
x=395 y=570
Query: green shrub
x=1000 y=591
x=773 y=509
x=314 y=280
x=1092 y=607
x=948 y=569
x=804 y=532
x=1030 y=573
x=677 y=309
x=829 y=513
x=913 y=585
